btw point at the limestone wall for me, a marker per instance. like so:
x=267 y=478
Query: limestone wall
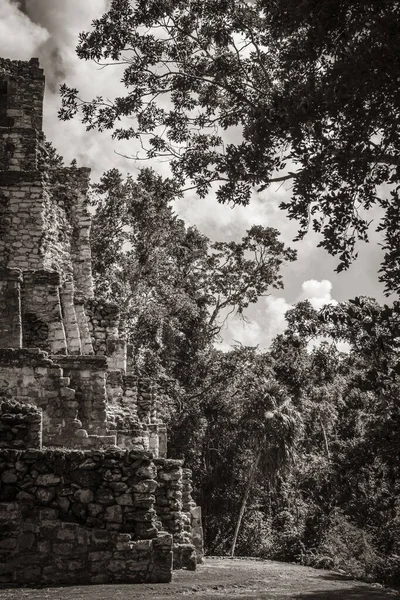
x=22 y=91
x=112 y=489
x=121 y=400
x=23 y=220
x=44 y=221
x=10 y=308
x=69 y=187
x=147 y=401
x=42 y=321
x=87 y=375
x=30 y=377
x=169 y=509
x=132 y=413
x=18 y=147
x=90 y=497
x=20 y=425
x=37 y=547
x=107 y=335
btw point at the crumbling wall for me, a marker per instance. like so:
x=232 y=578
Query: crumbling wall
x=87 y=376
x=30 y=377
x=122 y=415
x=44 y=221
x=169 y=509
x=42 y=323
x=10 y=308
x=20 y=425
x=26 y=222
x=112 y=489
x=107 y=334
x=38 y=548
x=21 y=114
x=69 y=187
x=22 y=91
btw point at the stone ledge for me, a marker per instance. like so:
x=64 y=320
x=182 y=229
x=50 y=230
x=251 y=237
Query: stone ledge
x=10 y=274
x=22 y=131
x=42 y=277
x=82 y=362
x=21 y=69
x=11 y=178
x=45 y=453
x=168 y=463
x=25 y=357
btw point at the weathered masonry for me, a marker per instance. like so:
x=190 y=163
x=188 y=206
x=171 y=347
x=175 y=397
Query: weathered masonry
x=87 y=494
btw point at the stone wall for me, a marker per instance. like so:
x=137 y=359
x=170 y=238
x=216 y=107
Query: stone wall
x=112 y=489
x=31 y=377
x=37 y=548
x=69 y=187
x=24 y=217
x=87 y=376
x=20 y=425
x=42 y=322
x=44 y=221
x=107 y=333
x=169 y=509
x=10 y=308
x=22 y=90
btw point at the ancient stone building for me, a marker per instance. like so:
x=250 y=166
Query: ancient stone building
x=86 y=491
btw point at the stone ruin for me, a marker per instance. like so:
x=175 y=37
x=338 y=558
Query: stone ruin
x=87 y=494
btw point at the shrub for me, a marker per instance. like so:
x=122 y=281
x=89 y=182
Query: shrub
x=347 y=547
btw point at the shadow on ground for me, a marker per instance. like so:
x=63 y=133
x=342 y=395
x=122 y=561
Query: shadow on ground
x=224 y=579
x=354 y=593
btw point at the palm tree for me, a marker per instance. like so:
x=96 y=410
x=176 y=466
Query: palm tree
x=274 y=424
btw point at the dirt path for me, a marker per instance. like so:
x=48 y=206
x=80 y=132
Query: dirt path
x=239 y=579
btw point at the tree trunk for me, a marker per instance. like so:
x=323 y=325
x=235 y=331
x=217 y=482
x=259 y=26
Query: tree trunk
x=328 y=454
x=244 y=501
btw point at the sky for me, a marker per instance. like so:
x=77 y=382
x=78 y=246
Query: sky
x=49 y=29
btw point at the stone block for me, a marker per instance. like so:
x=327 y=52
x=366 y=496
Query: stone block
x=113 y=514
x=85 y=496
x=48 y=479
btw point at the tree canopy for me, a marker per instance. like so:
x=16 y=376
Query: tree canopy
x=238 y=416
x=244 y=94
x=174 y=285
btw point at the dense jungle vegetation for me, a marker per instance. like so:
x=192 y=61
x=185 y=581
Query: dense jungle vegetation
x=303 y=444
x=309 y=438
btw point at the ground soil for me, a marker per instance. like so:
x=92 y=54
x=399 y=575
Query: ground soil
x=238 y=579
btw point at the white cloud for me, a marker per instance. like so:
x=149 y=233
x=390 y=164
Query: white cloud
x=265 y=323
x=315 y=343
x=268 y=319
x=317 y=292
x=20 y=38
x=275 y=322
x=248 y=333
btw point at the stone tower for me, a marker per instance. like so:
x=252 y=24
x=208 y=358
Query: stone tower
x=44 y=226
x=46 y=288
x=67 y=378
